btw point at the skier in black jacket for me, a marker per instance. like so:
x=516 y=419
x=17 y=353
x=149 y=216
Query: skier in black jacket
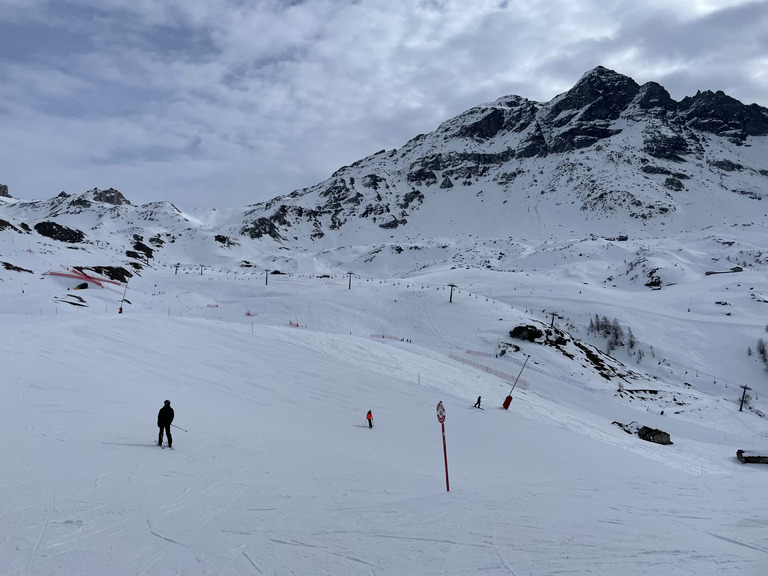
x=164 y=419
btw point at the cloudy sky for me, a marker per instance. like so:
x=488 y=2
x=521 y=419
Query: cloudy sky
x=223 y=103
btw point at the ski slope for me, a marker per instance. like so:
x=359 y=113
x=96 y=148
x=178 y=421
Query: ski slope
x=276 y=472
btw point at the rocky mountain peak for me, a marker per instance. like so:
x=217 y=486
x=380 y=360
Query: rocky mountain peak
x=108 y=196
x=720 y=114
x=4 y=191
x=653 y=96
x=601 y=94
x=95 y=201
x=67 y=203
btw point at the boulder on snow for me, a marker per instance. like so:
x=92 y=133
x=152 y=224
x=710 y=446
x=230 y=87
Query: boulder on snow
x=653 y=435
x=752 y=456
x=526 y=332
x=644 y=432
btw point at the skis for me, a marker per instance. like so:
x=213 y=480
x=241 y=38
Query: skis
x=478 y=407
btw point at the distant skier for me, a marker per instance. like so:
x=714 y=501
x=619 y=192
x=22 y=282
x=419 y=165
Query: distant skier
x=477 y=404
x=164 y=419
x=369 y=417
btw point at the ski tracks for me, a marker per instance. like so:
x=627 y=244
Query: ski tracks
x=226 y=507
x=426 y=318
x=252 y=563
x=148 y=568
x=22 y=388
x=45 y=524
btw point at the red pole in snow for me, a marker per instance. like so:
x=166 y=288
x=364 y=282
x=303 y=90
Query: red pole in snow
x=508 y=399
x=441 y=419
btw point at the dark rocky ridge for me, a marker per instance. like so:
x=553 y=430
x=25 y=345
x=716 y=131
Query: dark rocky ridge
x=718 y=113
x=494 y=144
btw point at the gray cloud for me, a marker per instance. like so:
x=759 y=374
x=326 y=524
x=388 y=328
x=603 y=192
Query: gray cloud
x=225 y=102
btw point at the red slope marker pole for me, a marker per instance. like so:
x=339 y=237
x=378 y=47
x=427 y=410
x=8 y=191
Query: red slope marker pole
x=441 y=419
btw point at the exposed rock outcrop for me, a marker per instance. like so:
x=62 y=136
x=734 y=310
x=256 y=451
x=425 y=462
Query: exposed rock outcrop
x=58 y=232
x=501 y=144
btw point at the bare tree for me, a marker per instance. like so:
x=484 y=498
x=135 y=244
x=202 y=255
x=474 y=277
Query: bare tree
x=761 y=351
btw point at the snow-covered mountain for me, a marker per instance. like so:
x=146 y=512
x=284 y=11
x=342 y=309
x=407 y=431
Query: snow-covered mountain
x=607 y=159
x=607 y=246
x=669 y=189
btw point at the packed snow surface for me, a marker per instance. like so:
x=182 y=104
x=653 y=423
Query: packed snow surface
x=274 y=470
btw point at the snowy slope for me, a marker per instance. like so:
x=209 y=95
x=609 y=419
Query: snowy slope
x=276 y=472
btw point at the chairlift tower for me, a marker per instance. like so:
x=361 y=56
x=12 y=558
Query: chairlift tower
x=743 y=395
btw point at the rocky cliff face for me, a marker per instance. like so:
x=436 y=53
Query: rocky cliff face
x=606 y=146
x=4 y=191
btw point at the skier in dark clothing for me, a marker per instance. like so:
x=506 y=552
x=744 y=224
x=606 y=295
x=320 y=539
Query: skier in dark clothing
x=477 y=404
x=369 y=417
x=164 y=419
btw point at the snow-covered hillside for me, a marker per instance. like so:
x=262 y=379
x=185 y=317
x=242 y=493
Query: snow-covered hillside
x=275 y=471
x=576 y=271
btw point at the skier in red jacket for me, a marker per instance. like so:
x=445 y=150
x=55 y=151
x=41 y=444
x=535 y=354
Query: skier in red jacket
x=369 y=417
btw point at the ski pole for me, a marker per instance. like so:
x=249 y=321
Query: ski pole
x=179 y=427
